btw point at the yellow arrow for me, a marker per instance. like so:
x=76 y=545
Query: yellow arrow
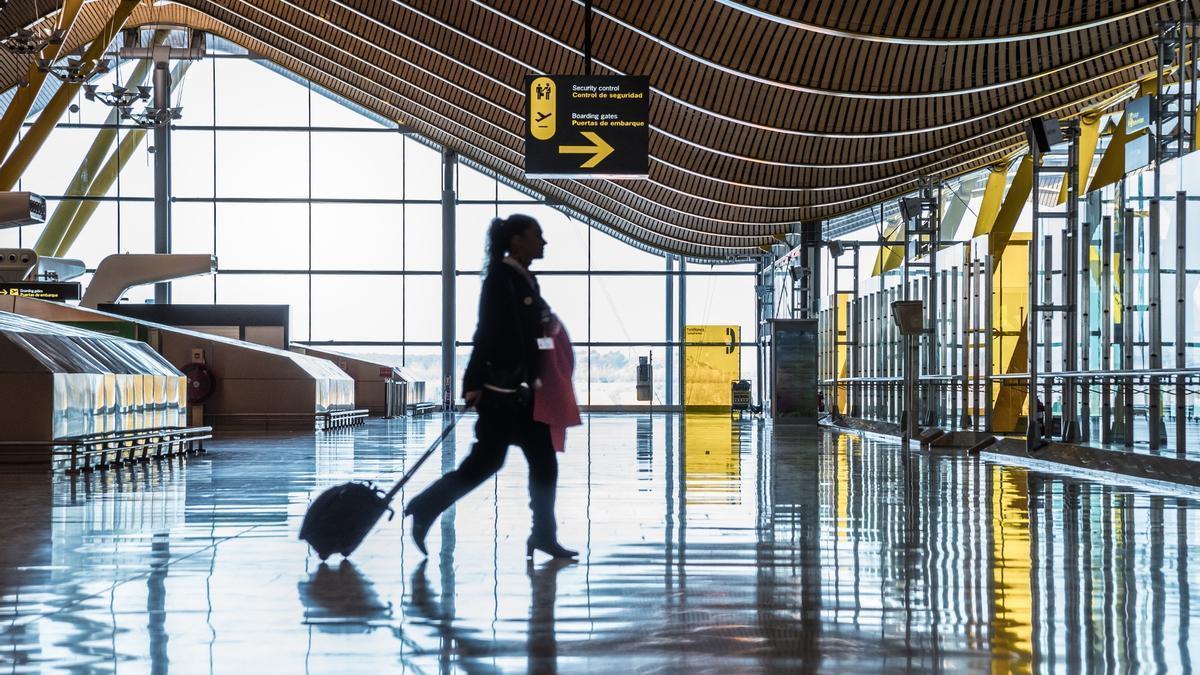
x=599 y=149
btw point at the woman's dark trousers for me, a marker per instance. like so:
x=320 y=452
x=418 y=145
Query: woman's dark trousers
x=493 y=434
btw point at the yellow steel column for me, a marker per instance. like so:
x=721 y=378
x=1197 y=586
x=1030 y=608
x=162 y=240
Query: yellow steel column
x=108 y=175
x=23 y=100
x=23 y=154
x=64 y=213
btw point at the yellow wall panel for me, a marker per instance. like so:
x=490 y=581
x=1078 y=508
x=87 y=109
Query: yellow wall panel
x=712 y=361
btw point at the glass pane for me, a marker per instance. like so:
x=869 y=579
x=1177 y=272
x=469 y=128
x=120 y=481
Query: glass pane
x=610 y=254
x=192 y=157
x=269 y=289
x=466 y=313
x=422 y=309
x=423 y=237
x=192 y=227
x=262 y=164
x=360 y=165
x=565 y=295
x=614 y=375
x=194 y=93
x=98 y=238
x=136 y=231
x=471 y=223
x=425 y=363
x=56 y=163
x=474 y=185
x=262 y=236
x=461 y=356
x=389 y=354
x=11 y=237
x=194 y=290
x=724 y=300
x=422 y=171
x=29 y=234
x=136 y=178
x=358 y=308
x=248 y=94
x=357 y=236
x=615 y=318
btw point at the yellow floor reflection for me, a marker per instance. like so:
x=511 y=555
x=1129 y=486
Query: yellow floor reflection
x=711 y=463
x=1012 y=593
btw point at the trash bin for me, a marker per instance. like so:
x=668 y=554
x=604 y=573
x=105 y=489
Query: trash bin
x=395 y=398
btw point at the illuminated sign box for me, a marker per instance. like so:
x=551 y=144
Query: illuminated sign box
x=580 y=126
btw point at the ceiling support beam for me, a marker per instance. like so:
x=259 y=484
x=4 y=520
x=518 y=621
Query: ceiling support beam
x=27 y=93
x=23 y=154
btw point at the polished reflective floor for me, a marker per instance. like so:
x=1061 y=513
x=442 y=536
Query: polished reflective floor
x=708 y=545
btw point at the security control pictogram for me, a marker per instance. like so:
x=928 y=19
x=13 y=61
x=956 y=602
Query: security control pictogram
x=586 y=127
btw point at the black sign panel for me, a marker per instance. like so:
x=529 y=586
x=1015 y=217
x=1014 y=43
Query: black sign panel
x=1138 y=115
x=580 y=126
x=46 y=290
x=1139 y=151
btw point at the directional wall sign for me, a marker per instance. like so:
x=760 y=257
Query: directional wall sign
x=42 y=290
x=587 y=126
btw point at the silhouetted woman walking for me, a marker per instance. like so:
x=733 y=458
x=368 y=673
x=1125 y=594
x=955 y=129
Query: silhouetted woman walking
x=515 y=325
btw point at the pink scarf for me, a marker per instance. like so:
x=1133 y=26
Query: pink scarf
x=554 y=404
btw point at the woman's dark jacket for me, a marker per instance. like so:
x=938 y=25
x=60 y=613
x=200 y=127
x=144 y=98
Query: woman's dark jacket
x=511 y=312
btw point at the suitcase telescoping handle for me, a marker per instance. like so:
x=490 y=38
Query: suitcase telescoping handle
x=421 y=460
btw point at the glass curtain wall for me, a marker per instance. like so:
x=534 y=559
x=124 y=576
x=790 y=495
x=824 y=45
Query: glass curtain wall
x=309 y=201
x=981 y=296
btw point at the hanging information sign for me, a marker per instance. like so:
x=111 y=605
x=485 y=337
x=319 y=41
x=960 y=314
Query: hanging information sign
x=580 y=126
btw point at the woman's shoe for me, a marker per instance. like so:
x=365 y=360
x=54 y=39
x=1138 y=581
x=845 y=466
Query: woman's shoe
x=420 y=528
x=552 y=549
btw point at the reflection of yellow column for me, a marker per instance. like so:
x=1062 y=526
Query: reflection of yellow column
x=1012 y=566
x=842 y=486
x=712 y=469
x=712 y=361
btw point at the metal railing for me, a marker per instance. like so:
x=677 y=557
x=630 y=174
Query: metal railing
x=103 y=450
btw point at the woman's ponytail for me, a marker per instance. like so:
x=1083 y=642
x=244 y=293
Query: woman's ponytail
x=497 y=242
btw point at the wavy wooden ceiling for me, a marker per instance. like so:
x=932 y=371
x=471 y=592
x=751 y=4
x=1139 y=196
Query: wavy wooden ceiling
x=764 y=112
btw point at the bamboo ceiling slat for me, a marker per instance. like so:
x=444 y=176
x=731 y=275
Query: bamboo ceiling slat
x=763 y=112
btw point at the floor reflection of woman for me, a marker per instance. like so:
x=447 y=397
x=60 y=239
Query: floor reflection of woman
x=515 y=325
x=541 y=644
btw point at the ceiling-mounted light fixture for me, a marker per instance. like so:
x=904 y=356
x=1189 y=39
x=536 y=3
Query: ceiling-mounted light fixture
x=119 y=97
x=75 y=70
x=27 y=41
x=151 y=117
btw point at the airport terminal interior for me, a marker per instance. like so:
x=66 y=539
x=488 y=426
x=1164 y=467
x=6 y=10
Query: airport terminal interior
x=881 y=321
